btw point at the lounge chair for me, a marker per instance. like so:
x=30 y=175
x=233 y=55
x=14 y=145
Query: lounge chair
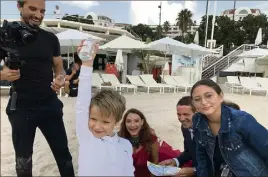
x=149 y=80
x=136 y=80
x=233 y=82
x=251 y=85
x=170 y=81
x=183 y=82
x=115 y=82
x=99 y=83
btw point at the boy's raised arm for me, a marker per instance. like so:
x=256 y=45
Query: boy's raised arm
x=83 y=101
x=84 y=92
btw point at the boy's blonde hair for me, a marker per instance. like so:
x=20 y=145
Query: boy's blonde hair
x=109 y=102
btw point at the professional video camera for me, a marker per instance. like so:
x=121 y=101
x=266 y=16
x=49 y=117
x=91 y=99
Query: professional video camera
x=19 y=34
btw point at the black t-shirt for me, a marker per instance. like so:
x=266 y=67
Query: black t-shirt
x=75 y=76
x=37 y=72
x=218 y=159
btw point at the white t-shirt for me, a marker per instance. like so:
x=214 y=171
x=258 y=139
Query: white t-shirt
x=107 y=156
x=57 y=14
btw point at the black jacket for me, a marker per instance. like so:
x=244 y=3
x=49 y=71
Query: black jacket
x=189 y=149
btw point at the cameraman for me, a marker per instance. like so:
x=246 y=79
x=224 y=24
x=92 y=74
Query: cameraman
x=37 y=102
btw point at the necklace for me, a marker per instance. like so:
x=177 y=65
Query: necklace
x=135 y=141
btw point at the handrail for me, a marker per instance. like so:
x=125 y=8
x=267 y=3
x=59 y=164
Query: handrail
x=219 y=48
x=228 y=55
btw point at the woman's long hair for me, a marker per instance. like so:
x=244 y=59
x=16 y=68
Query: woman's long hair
x=145 y=134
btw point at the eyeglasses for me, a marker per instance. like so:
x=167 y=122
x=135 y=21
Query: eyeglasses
x=207 y=97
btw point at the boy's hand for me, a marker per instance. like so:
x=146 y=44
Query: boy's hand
x=90 y=61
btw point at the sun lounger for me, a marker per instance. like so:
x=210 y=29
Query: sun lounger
x=170 y=80
x=149 y=80
x=136 y=80
x=99 y=83
x=233 y=82
x=251 y=85
x=183 y=82
x=115 y=82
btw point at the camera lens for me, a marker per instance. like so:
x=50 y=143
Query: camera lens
x=26 y=37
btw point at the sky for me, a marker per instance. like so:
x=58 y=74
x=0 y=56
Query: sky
x=134 y=12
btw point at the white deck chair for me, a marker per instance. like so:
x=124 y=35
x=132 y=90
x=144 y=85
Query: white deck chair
x=170 y=80
x=182 y=82
x=233 y=82
x=115 y=82
x=136 y=80
x=251 y=85
x=149 y=80
x=97 y=82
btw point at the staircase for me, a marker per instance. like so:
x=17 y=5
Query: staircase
x=209 y=59
x=214 y=68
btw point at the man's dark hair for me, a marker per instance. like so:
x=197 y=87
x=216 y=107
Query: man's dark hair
x=186 y=101
x=21 y=3
x=231 y=104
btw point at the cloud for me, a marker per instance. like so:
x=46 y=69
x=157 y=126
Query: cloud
x=263 y=7
x=147 y=12
x=81 y=4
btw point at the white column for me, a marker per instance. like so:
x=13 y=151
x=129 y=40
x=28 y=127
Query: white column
x=213 y=22
x=207 y=27
x=124 y=74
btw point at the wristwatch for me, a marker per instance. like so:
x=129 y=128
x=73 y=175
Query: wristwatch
x=194 y=169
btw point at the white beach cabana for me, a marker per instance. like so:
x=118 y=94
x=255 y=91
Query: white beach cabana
x=169 y=46
x=126 y=45
x=196 y=54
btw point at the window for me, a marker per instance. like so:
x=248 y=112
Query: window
x=89 y=17
x=243 y=12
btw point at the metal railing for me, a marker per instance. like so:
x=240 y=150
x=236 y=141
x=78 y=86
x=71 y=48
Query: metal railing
x=226 y=61
x=60 y=16
x=209 y=59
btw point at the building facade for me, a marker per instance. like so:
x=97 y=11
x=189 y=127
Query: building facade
x=174 y=30
x=240 y=13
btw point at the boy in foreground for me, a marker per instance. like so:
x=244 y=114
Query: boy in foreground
x=101 y=151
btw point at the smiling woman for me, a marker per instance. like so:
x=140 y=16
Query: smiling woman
x=135 y=128
x=232 y=138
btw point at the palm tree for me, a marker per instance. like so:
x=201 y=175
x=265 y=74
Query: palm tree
x=166 y=26
x=184 y=21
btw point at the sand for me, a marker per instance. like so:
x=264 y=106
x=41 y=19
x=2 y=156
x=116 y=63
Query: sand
x=158 y=108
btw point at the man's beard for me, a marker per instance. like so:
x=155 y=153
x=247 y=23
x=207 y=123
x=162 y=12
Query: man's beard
x=31 y=21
